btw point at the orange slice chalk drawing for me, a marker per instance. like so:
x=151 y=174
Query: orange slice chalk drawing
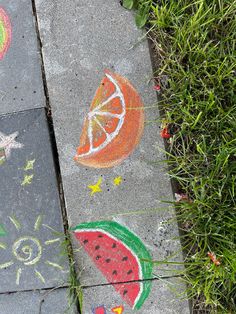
x=5 y=33
x=114 y=125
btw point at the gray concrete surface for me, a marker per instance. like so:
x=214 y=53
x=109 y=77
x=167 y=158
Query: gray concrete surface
x=164 y=298
x=80 y=39
x=37 y=302
x=20 y=70
x=30 y=251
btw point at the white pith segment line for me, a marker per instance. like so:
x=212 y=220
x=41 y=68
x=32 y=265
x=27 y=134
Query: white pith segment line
x=114 y=95
x=96 y=111
x=108 y=114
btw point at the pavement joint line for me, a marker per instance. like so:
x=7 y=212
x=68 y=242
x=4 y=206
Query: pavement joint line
x=46 y=94
x=125 y=282
x=35 y=290
x=54 y=146
x=21 y=111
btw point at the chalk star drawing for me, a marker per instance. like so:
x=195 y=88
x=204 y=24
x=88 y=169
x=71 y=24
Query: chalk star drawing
x=27 y=250
x=27 y=179
x=118 y=309
x=117 y=181
x=29 y=165
x=7 y=142
x=96 y=187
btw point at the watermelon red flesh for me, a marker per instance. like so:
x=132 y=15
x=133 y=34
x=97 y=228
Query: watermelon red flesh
x=114 y=260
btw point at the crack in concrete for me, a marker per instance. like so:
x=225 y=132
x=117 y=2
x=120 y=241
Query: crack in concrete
x=124 y=282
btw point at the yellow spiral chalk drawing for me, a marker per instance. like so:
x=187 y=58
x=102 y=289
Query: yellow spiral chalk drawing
x=5 y=33
x=27 y=250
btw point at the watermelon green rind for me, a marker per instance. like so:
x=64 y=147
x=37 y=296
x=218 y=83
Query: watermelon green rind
x=133 y=243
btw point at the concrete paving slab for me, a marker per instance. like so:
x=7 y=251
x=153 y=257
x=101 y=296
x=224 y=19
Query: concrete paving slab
x=165 y=297
x=37 y=302
x=20 y=72
x=80 y=39
x=30 y=214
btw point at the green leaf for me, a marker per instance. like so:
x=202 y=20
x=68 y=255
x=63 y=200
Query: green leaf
x=128 y=4
x=141 y=19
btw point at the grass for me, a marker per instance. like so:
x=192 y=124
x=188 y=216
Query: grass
x=194 y=44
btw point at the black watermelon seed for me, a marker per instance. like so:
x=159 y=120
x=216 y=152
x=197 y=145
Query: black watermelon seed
x=125 y=258
x=98 y=256
x=97 y=247
x=100 y=236
x=113 y=245
x=108 y=260
x=129 y=272
x=125 y=292
x=114 y=272
x=85 y=241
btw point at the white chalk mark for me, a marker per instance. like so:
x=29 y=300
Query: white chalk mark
x=55 y=265
x=52 y=241
x=40 y=276
x=15 y=222
x=7 y=142
x=6 y=265
x=18 y=275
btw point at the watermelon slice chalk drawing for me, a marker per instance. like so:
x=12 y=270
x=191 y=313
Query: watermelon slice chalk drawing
x=5 y=33
x=114 y=125
x=118 y=254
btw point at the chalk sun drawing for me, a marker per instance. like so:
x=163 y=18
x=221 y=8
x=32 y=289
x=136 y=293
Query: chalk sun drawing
x=7 y=143
x=118 y=254
x=27 y=250
x=5 y=33
x=114 y=125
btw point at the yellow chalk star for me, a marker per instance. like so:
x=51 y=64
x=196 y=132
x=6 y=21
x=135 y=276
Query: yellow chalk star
x=117 y=181
x=29 y=165
x=96 y=187
x=118 y=309
x=27 y=179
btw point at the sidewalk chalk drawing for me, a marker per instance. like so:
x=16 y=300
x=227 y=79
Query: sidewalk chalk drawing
x=7 y=143
x=27 y=250
x=2 y=156
x=96 y=188
x=114 y=125
x=28 y=178
x=99 y=310
x=117 y=181
x=2 y=231
x=5 y=33
x=118 y=254
x=118 y=309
